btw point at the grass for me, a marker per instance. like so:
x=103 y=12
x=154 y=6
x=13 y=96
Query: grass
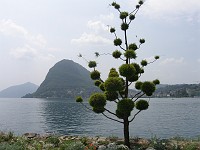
x=8 y=141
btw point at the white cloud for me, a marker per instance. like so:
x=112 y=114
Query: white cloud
x=91 y=39
x=173 y=61
x=97 y=26
x=169 y=9
x=31 y=46
x=198 y=60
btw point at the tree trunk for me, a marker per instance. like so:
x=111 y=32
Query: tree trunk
x=126 y=132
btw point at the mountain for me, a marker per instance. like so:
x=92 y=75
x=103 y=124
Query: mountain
x=178 y=90
x=66 y=79
x=18 y=91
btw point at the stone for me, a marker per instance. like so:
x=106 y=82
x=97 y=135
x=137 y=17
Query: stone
x=102 y=147
x=31 y=135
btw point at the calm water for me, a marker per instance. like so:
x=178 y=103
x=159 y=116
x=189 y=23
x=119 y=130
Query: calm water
x=164 y=118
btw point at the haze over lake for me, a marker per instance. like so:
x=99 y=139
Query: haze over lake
x=164 y=118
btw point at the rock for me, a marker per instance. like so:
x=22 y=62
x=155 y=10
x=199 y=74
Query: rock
x=102 y=139
x=102 y=147
x=122 y=147
x=31 y=135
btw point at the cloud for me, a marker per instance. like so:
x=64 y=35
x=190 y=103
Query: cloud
x=30 y=46
x=91 y=39
x=198 y=60
x=97 y=31
x=172 y=9
x=173 y=61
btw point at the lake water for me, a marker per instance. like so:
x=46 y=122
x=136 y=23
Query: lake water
x=164 y=118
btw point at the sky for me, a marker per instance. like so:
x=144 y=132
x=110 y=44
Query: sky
x=36 y=34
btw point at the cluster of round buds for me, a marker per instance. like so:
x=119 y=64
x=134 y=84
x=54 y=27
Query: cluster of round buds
x=115 y=5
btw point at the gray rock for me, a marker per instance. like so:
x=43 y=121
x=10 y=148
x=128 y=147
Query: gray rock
x=150 y=148
x=102 y=147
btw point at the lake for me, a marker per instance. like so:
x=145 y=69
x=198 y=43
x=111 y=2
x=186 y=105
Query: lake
x=165 y=118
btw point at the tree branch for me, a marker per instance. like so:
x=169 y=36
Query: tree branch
x=138 y=97
x=135 y=115
x=136 y=94
x=86 y=106
x=112 y=118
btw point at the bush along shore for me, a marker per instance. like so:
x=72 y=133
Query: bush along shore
x=33 y=141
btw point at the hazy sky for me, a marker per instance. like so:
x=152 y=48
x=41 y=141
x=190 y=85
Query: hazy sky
x=35 y=34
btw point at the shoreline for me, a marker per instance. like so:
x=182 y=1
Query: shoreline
x=56 y=142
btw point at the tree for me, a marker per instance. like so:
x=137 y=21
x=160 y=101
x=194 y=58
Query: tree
x=116 y=87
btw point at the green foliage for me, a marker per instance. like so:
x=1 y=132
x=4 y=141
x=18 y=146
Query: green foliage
x=127 y=70
x=112 y=30
x=97 y=82
x=144 y=62
x=124 y=26
x=97 y=100
x=116 y=54
x=102 y=87
x=133 y=46
x=113 y=84
x=130 y=54
x=113 y=73
x=137 y=68
x=95 y=75
x=133 y=78
x=125 y=106
x=148 y=88
x=156 y=81
x=141 y=2
x=79 y=99
x=138 y=85
x=111 y=96
x=142 y=105
x=132 y=17
x=92 y=64
x=123 y=15
x=53 y=140
x=98 y=110
x=142 y=41
x=117 y=42
x=156 y=57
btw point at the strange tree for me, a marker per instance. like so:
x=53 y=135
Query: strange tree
x=116 y=87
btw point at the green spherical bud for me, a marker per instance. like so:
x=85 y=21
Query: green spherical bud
x=124 y=26
x=112 y=30
x=132 y=17
x=144 y=63
x=92 y=64
x=141 y=2
x=116 y=54
x=125 y=106
x=117 y=6
x=133 y=46
x=117 y=42
x=113 y=73
x=95 y=75
x=148 y=88
x=113 y=84
x=130 y=54
x=141 y=70
x=79 y=99
x=97 y=100
x=111 y=96
x=137 y=6
x=138 y=85
x=156 y=57
x=156 y=81
x=127 y=70
x=98 y=110
x=142 y=105
x=113 y=3
x=123 y=15
x=102 y=87
x=142 y=41
x=133 y=78
x=97 y=82
x=137 y=68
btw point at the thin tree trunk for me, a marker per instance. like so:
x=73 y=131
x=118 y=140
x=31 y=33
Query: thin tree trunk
x=126 y=132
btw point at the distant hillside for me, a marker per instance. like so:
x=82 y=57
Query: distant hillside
x=18 y=91
x=66 y=79
x=178 y=90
